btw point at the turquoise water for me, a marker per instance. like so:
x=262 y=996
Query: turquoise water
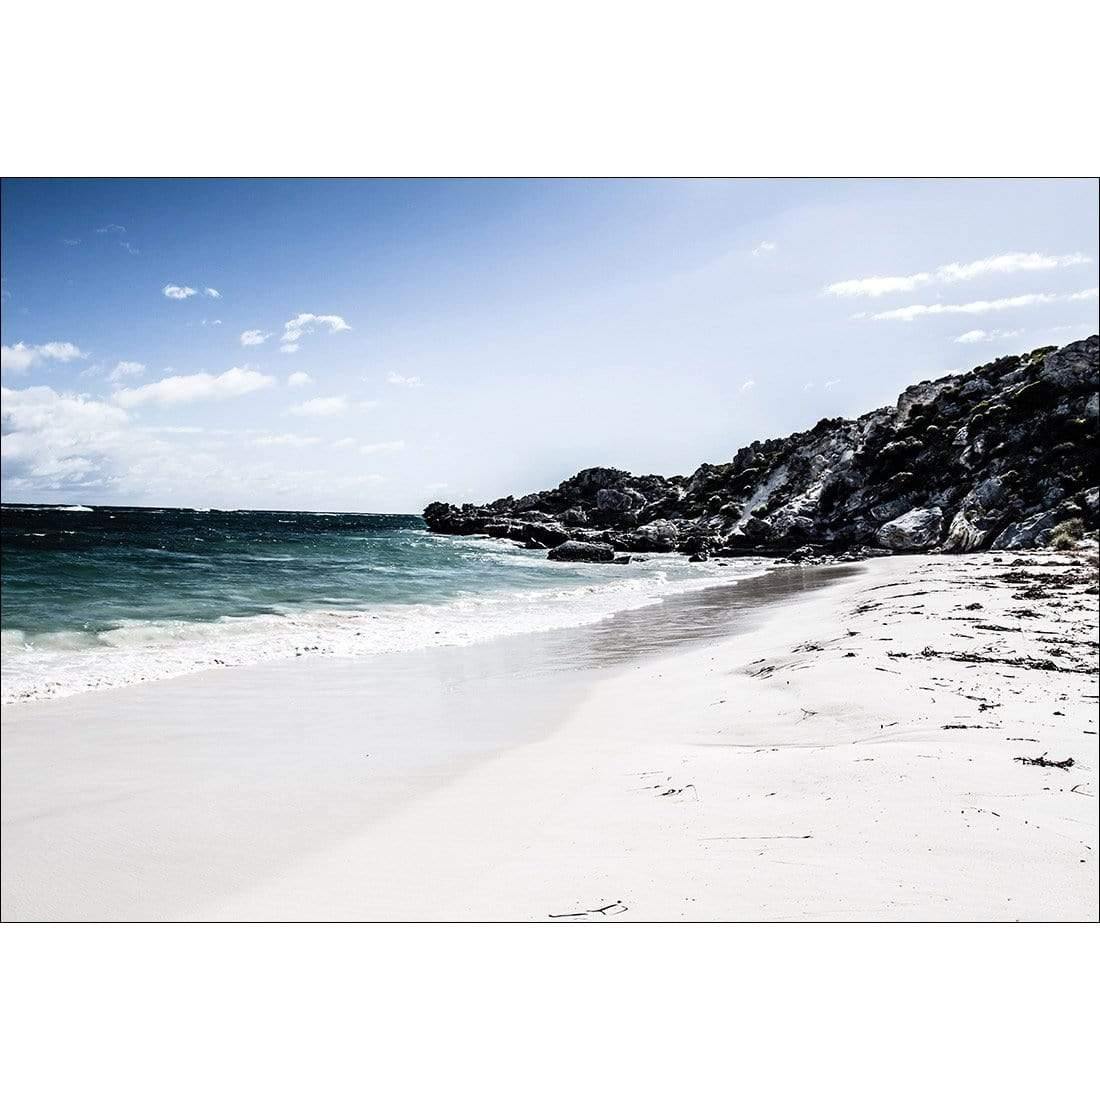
x=101 y=597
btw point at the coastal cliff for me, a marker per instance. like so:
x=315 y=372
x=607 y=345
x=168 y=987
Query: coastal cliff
x=995 y=458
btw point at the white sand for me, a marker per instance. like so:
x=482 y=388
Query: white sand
x=767 y=776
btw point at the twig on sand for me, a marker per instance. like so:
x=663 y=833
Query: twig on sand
x=611 y=910
x=1043 y=762
x=780 y=836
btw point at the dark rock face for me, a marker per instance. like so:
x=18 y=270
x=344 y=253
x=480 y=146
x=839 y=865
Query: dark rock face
x=995 y=458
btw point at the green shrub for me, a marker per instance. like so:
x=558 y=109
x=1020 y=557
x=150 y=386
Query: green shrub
x=1066 y=535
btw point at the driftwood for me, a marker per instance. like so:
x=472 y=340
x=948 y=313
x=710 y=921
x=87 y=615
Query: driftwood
x=1043 y=762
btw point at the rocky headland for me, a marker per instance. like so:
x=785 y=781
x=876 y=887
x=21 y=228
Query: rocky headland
x=1002 y=457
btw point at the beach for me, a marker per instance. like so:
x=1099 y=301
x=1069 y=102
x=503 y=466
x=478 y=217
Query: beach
x=907 y=738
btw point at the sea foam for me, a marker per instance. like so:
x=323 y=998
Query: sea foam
x=132 y=651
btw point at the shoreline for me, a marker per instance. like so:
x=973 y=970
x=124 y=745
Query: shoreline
x=631 y=770
x=142 y=651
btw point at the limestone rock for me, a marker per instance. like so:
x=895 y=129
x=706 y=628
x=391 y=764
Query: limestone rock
x=917 y=529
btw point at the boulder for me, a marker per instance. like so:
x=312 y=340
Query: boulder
x=1035 y=530
x=917 y=529
x=1072 y=369
x=616 y=501
x=756 y=529
x=661 y=534
x=803 y=554
x=505 y=529
x=581 y=551
x=545 y=534
x=792 y=526
x=980 y=514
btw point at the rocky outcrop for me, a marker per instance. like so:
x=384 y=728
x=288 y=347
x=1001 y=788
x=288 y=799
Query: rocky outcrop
x=996 y=457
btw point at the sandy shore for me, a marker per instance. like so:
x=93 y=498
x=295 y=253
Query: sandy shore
x=839 y=751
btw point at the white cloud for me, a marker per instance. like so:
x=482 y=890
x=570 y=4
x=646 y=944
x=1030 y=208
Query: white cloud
x=72 y=242
x=180 y=388
x=981 y=336
x=1085 y=295
x=299 y=378
x=126 y=246
x=126 y=369
x=64 y=352
x=748 y=385
x=289 y=349
x=763 y=248
x=1004 y=264
x=210 y=292
x=1008 y=263
x=341 y=444
x=40 y=407
x=832 y=382
x=112 y=228
x=178 y=293
x=18 y=357
x=287 y=439
x=53 y=440
x=380 y=448
x=875 y=285
x=396 y=379
x=90 y=449
x=253 y=336
x=305 y=323
x=996 y=305
x=321 y=406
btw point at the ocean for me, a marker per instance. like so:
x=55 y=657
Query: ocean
x=96 y=598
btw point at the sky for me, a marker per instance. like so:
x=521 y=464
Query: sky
x=372 y=345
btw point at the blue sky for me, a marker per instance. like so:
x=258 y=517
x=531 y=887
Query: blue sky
x=466 y=339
